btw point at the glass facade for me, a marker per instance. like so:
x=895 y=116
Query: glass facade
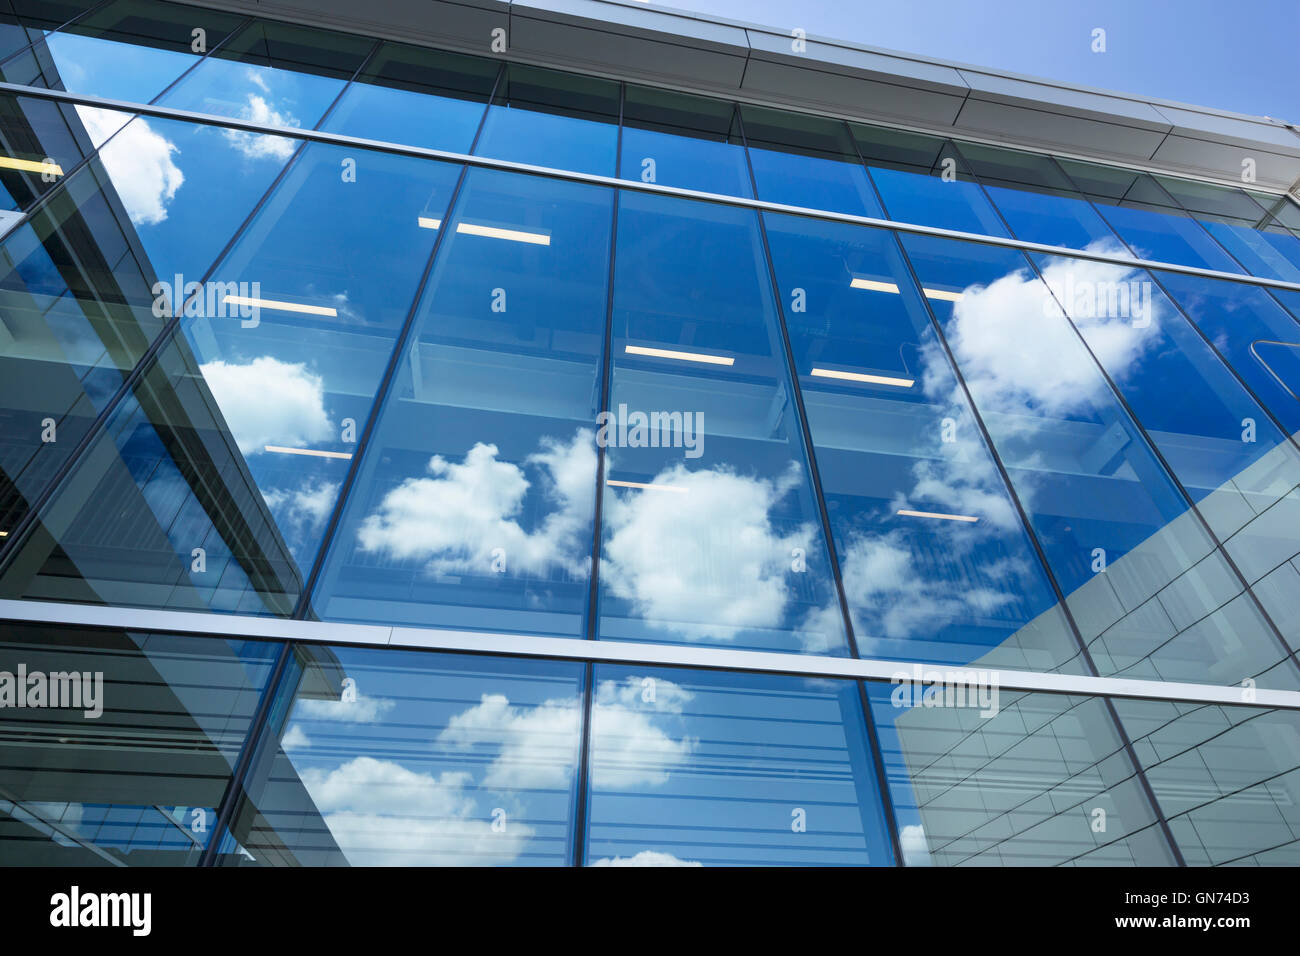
x=375 y=396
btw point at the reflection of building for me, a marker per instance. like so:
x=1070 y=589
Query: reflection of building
x=344 y=566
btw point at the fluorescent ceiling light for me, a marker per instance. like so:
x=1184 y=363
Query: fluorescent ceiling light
x=681 y=356
x=935 y=514
x=863 y=377
x=308 y=451
x=4 y=534
x=281 y=306
x=873 y=285
x=646 y=487
x=514 y=235
x=942 y=294
x=31 y=165
x=427 y=223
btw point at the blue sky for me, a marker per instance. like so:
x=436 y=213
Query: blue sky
x=1226 y=55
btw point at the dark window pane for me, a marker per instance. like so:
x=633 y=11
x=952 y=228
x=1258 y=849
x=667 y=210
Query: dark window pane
x=473 y=508
x=711 y=532
x=393 y=758
x=40 y=143
x=696 y=768
x=546 y=118
x=803 y=160
x=684 y=141
x=139 y=783
x=417 y=97
x=935 y=560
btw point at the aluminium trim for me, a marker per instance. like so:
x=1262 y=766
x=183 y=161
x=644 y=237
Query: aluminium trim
x=486 y=162
x=199 y=623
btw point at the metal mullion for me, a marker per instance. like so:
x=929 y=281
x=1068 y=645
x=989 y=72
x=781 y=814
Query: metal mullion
x=583 y=778
x=814 y=476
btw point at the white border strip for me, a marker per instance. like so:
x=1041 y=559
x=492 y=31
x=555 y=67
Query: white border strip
x=339 y=139
x=616 y=652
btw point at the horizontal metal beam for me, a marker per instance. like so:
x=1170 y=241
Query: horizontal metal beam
x=485 y=162
x=621 y=652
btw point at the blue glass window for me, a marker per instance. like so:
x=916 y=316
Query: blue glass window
x=473 y=508
x=684 y=141
x=417 y=97
x=698 y=768
x=400 y=758
x=711 y=533
x=935 y=561
x=546 y=118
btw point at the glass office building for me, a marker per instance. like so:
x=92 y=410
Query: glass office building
x=431 y=456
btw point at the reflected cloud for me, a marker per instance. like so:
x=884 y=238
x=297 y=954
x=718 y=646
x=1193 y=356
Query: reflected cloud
x=269 y=402
x=259 y=109
x=383 y=814
x=456 y=519
x=706 y=562
x=138 y=161
x=646 y=858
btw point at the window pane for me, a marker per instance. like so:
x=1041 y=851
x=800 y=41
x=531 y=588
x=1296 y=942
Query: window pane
x=1147 y=218
x=280 y=358
x=923 y=180
x=417 y=97
x=272 y=73
x=1219 y=444
x=139 y=782
x=473 y=508
x=711 y=532
x=1226 y=778
x=935 y=561
x=1037 y=780
x=129 y=49
x=1037 y=201
x=396 y=758
x=1238 y=222
x=803 y=160
x=547 y=118
x=685 y=141
x=697 y=768
x=1113 y=525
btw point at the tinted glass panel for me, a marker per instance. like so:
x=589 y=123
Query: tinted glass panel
x=924 y=180
x=474 y=505
x=391 y=758
x=935 y=561
x=711 y=532
x=40 y=143
x=1040 y=780
x=272 y=73
x=125 y=745
x=803 y=160
x=683 y=141
x=692 y=768
x=417 y=97
x=553 y=119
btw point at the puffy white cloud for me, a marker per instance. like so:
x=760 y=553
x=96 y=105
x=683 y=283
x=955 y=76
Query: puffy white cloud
x=646 y=858
x=455 y=519
x=383 y=814
x=269 y=402
x=295 y=739
x=631 y=749
x=258 y=109
x=703 y=561
x=138 y=161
